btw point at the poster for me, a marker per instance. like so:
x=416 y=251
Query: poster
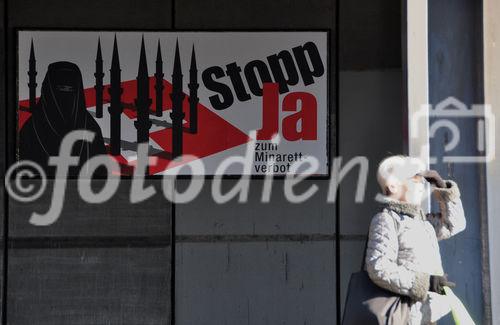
x=186 y=95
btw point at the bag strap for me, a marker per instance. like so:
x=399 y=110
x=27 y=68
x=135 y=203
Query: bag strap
x=368 y=237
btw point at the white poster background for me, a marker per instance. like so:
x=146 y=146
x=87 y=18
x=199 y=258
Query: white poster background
x=212 y=49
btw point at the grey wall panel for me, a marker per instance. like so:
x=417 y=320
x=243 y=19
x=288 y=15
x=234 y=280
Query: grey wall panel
x=89 y=286
x=204 y=216
x=370 y=34
x=351 y=256
x=120 y=14
x=257 y=283
x=371 y=125
x=254 y=14
x=116 y=217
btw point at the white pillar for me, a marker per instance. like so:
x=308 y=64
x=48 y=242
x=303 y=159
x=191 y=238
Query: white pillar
x=417 y=73
x=491 y=25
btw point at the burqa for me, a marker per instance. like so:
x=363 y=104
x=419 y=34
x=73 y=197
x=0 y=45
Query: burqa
x=60 y=110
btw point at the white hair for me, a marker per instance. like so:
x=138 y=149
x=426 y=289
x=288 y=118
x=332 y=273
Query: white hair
x=398 y=168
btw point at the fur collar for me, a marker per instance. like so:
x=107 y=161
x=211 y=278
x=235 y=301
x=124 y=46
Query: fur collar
x=412 y=210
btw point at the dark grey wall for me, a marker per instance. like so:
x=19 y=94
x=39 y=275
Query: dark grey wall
x=270 y=263
x=99 y=264
x=372 y=114
x=370 y=35
x=255 y=263
x=3 y=199
x=455 y=69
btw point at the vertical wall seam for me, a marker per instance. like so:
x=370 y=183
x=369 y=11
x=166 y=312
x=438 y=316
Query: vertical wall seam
x=483 y=190
x=6 y=151
x=172 y=224
x=486 y=282
x=337 y=151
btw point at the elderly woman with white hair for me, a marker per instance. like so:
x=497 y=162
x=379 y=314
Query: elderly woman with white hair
x=402 y=251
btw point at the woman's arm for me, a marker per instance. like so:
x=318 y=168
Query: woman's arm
x=381 y=261
x=451 y=219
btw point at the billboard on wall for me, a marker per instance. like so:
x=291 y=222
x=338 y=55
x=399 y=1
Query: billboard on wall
x=190 y=96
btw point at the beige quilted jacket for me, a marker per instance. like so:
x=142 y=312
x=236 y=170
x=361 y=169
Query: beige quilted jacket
x=403 y=251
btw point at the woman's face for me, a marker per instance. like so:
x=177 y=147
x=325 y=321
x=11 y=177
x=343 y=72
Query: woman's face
x=414 y=189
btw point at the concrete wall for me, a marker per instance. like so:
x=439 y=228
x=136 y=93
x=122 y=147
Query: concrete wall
x=99 y=264
x=372 y=113
x=255 y=263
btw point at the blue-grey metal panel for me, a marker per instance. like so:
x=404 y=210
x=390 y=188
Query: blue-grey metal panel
x=255 y=283
x=116 y=217
x=204 y=216
x=455 y=58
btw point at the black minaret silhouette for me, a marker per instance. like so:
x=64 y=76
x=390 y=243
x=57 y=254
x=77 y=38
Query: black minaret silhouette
x=193 y=95
x=32 y=77
x=115 y=109
x=142 y=102
x=159 y=82
x=177 y=97
x=99 y=75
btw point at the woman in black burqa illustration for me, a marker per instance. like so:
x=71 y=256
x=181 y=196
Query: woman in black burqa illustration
x=60 y=110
